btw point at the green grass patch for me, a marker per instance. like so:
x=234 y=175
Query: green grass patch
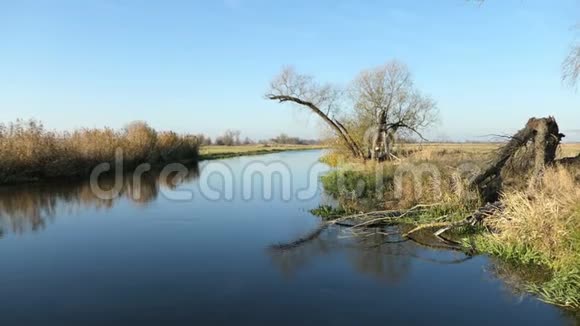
x=563 y=285
x=356 y=183
x=519 y=254
x=328 y=212
x=563 y=289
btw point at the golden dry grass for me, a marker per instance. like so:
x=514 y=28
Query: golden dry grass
x=542 y=226
x=544 y=218
x=569 y=150
x=31 y=152
x=427 y=149
x=466 y=147
x=422 y=174
x=447 y=158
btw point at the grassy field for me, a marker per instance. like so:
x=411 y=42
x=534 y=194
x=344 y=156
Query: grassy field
x=214 y=152
x=566 y=149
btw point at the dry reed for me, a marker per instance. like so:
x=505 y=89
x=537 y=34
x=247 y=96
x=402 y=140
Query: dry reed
x=31 y=152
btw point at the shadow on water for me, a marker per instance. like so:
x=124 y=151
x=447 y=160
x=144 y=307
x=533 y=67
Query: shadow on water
x=30 y=207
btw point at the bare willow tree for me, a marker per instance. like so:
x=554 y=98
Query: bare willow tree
x=571 y=66
x=386 y=102
x=323 y=100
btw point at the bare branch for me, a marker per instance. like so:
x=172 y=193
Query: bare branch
x=387 y=103
x=571 y=66
x=322 y=100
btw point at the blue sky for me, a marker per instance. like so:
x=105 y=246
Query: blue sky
x=203 y=66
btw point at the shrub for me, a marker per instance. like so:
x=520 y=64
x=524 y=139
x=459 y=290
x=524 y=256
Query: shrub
x=139 y=142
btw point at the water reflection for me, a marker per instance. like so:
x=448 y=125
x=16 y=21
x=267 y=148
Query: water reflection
x=385 y=259
x=136 y=266
x=390 y=259
x=515 y=280
x=26 y=208
x=383 y=255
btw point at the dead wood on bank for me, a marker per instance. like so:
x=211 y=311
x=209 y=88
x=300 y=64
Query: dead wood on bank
x=527 y=153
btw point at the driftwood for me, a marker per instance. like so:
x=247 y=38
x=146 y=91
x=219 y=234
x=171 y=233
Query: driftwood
x=376 y=219
x=477 y=217
x=366 y=220
x=541 y=135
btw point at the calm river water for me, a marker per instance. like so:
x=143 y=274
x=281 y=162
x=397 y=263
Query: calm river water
x=157 y=256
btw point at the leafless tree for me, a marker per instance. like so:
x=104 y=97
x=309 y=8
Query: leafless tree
x=229 y=138
x=248 y=141
x=571 y=65
x=386 y=102
x=323 y=100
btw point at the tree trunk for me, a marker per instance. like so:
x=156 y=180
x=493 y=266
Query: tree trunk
x=335 y=125
x=375 y=145
x=357 y=150
x=546 y=137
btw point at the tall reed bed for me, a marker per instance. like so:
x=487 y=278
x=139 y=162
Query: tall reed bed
x=542 y=227
x=29 y=151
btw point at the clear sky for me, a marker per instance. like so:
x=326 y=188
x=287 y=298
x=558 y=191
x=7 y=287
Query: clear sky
x=203 y=66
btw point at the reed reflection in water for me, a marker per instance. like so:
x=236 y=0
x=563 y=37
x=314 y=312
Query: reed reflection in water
x=25 y=208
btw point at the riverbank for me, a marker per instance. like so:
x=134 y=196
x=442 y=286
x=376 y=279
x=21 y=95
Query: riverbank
x=537 y=227
x=215 y=152
x=32 y=154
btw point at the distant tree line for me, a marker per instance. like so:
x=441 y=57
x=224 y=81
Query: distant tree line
x=285 y=139
x=229 y=138
x=233 y=138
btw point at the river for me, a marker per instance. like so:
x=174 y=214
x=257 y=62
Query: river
x=198 y=251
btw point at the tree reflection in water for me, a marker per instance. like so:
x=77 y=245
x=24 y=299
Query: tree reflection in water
x=383 y=254
x=26 y=208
